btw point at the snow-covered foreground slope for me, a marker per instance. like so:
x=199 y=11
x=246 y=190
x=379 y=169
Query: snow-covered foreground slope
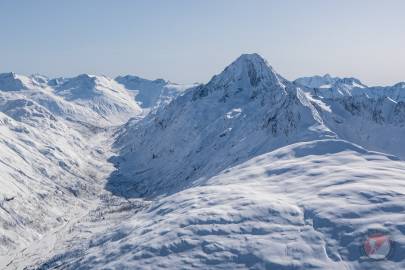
x=308 y=205
x=49 y=172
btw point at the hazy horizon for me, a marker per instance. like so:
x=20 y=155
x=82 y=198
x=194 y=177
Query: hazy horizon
x=188 y=41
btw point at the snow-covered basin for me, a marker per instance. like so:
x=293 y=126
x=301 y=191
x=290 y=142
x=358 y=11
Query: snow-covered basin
x=309 y=205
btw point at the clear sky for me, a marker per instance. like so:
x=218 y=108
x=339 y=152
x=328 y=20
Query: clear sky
x=191 y=40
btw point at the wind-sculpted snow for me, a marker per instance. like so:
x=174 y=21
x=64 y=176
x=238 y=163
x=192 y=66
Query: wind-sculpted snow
x=304 y=206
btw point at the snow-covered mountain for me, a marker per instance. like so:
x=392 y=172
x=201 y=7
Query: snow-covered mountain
x=247 y=171
x=101 y=94
x=97 y=100
x=152 y=93
x=15 y=82
x=317 y=81
x=202 y=160
x=48 y=169
x=370 y=116
x=334 y=87
x=246 y=110
x=54 y=146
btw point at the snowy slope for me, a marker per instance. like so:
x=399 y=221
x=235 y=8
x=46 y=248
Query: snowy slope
x=334 y=87
x=14 y=82
x=48 y=170
x=304 y=206
x=51 y=163
x=54 y=149
x=311 y=208
x=246 y=110
x=91 y=99
x=373 y=117
x=97 y=100
x=151 y=93
x=101 y=94
x=317 y=81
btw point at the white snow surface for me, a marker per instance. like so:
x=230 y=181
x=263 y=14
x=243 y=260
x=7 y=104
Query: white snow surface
x=54 y=146
x=308 y=205
x=335 y=88
x=152 y=93
x=248 y=171
x=317 y=81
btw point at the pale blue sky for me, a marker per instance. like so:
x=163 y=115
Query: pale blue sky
x=191 y=40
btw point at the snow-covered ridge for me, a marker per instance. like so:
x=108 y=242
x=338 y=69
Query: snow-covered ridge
x=14 y=82
x=99 y=100
x=103 y=95
x=308 y=205
x=151 y=93
x=54 y=146
x=361 y=114
x=335 y=88
x=246 y=110
x=317 y=81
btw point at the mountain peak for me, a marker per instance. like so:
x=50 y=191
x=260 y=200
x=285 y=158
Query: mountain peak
x=253 y=57
x=248 y=70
